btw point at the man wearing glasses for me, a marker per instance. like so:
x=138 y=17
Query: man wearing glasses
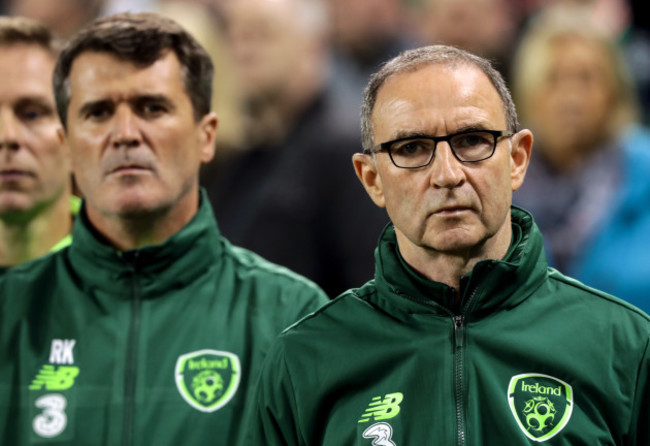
x=465 y=336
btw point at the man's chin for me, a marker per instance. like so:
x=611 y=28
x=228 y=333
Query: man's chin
x=139 y=209
x=17 y=208
x=455 y=240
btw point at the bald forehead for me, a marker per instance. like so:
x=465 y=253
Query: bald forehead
x=426 y=80
x=436 y=99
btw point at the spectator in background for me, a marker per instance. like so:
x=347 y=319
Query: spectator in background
x=574 y=92
x=291 y=195
x=627 y=23
x=35 y=184
x=488 y=28
x=205 y=25
x=63 y=17
x=366 y=33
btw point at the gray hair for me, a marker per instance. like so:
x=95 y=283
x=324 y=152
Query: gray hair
x=412 y=60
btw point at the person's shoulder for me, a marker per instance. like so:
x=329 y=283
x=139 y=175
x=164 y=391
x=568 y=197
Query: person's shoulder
x=598 y=301
x=27 y=284
x=251 y=266
x=636 y=143
x=31 y=271
x=341 y=315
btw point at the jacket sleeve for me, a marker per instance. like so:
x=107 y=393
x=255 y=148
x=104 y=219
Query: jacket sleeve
x=272 y=415
x=640 y=423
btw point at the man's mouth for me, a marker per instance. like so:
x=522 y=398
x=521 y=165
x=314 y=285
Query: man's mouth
x=14 y=174
x=128 y=169
x=451 y=211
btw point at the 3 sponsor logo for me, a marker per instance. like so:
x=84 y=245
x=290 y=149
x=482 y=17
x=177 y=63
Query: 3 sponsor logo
x=59 y=375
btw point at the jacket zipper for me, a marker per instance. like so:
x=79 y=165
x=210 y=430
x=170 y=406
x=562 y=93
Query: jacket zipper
x=459 y=365
x=131 y=358
x=459 y=338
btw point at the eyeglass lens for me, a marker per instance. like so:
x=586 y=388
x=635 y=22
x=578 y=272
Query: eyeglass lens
x=419 y=151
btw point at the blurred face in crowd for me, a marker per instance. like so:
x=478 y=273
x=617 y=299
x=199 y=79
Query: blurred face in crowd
x=62 y=16
x=34 y=168
x=270 y=44
x=447 y=206
x=576 y=99
x=136 y=146
x=484 y=27
x=363 y=23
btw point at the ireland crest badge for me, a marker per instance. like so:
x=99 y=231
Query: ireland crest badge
x=207 y=379
x=541 y=404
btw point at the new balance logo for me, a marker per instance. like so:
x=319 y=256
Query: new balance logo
x=52 y=378
x=382 y=409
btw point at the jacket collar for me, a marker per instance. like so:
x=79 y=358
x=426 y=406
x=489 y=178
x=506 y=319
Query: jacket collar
x=491 y=285
x=177 y=261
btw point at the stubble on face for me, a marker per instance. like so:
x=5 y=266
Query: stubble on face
x=136 y=144
x=448 y=208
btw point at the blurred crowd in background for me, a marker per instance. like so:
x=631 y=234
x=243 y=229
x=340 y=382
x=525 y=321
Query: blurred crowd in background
x=288 y=88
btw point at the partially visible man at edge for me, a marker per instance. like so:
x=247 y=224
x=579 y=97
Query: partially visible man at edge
x=465 y=336
x=149 y=327
x=36 y=204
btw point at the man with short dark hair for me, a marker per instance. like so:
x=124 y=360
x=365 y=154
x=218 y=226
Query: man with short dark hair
x=35 y=184
x=150 y=327
x=465 y=336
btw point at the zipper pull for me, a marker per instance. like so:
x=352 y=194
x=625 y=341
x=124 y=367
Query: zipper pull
x=459 y=330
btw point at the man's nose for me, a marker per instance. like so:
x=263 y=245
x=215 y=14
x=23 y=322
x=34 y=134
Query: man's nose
x=9 y=130
x=125 y=130
x=445 y=169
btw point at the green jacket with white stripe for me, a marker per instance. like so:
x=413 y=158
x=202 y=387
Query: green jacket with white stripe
x=155 y=346
x=528 y=357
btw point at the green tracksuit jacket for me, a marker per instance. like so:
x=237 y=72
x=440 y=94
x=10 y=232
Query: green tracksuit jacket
x=529 y=357
x=155 y=346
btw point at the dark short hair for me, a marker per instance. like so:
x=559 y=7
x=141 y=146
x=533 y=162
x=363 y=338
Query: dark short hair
x=22 y=30
x=141 y=39
x=413 y=60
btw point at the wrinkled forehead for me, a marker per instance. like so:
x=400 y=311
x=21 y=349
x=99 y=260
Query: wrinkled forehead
x=437 y=98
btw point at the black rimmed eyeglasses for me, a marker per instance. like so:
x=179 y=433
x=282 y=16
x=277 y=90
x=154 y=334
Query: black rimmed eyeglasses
x=468 y=146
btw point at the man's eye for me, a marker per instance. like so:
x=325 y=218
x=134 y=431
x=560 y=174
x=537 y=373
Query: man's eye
x=469 y=140
x=32 y=113
x=153 y=109
x=411 y=147
x=97 y=113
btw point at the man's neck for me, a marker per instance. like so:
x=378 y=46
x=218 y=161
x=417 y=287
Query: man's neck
x=450 y=267
x=23 y=241
x=127 y=232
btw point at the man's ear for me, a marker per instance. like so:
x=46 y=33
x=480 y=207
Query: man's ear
x=522 y=146
x=207 y=135
x=65 y=148
x=366 y=170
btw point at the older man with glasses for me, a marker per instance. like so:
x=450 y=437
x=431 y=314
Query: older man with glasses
x=465 y=336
